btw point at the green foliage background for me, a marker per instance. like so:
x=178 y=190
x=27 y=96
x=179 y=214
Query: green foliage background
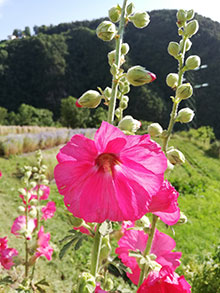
x=68 y=59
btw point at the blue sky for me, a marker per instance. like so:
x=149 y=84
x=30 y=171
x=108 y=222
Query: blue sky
x=21 y=13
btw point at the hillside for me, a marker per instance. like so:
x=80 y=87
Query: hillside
x=62 y=60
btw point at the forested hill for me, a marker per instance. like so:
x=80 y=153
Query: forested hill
x=69 y=59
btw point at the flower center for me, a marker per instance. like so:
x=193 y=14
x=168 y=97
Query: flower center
x=107 y=161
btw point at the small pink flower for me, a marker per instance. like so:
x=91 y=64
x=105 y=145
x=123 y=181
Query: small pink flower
x=0 y=174
x=19 y=227
x=136 y=240
x=6 y=254
x=44 y=188
x=3 y=243
x=164 y=204
x=98 y=289
x=113 y=177
x=48 y=211
x=43 y=246
x=164 y=281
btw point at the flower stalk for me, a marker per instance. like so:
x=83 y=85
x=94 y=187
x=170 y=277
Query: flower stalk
x=96 y=251
x=119 y=40
x=148 y=248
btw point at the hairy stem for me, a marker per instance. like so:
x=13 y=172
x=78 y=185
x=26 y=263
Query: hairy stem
x=119 y=40
x=96 y=251
x=148 y=248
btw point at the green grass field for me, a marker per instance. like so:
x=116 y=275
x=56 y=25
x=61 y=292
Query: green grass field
x=198 y=182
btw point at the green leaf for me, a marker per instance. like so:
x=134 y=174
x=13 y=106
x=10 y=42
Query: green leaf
x=6 y=280
x=42 y=282
x=79 y=242
x=66 y=247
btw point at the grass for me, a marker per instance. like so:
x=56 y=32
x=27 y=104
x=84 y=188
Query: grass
x=198 y=182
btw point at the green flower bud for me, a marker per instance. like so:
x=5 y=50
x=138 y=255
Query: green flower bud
x=33 y=212
x=191 y=28
x=123 y=105
x=138 y=75
x=107 y=92
x=175 y=156
x=185 y=115
x=128 y=123
x=111 y=58
x=45 y=182
x=181 y=16
x=155 y=129
x=33 y=184
x=173 y=49
x=115 y=13
x=190 y=14
x=90 y=99
x=118 y=112
x=130 y=9
x=109 y=285
x=182 y=220
x=21 y=209
x=140 y=19
x=86 y=283
x=193 y=62
x=35 y=169
x=170 y=167
x=188 y=45
x=124 y=48
x=172 y=80
x=125 y=99
x=22 y=191
x=106 y=31
x=105 y=248
x=184 y=91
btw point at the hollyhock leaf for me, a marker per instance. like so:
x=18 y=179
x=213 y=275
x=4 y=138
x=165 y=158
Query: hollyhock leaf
x=104 y=183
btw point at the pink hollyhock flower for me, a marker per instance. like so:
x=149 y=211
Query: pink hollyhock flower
x=48 y=211
x=19 y=226
x=6 y=254
x=113 y=177
x=3 y=243
x=98 y=289
x=136 y=240
x=164 y=281
x=164 y=204
x=43 y=246
x=44 y=189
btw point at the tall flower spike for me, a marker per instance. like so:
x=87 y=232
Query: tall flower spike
x=113 y=177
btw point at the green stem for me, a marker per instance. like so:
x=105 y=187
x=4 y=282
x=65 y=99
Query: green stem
x=148 y=248
x=119 y=40
x=26 y=242
x=176 y=101
x=96 y=251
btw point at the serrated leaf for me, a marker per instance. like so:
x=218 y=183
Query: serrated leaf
x=67 y=237
x=66 y=247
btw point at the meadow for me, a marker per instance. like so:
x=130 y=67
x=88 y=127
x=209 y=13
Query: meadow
x=198 y=183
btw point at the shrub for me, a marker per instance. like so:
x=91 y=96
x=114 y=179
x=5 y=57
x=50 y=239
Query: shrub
x=3 y=115
x=214 y=149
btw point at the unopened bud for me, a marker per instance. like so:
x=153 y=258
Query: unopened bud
x=109 y=285
x=175 y=156
x=111 y=58
x=128 y=123
x=191 y=28
x=106 y=30
x=90 y=99
x=173 y=49
x=155 y=129
x=107 y=92
x=190 y=14
x=33 y=212
x=172 y=80
x=193 y=62
x=185 y=115
x=140 y=19
x=188 y=45
x=181 y=16
x=105 y=248
x=130 y=9
x=124 y=48
x=20 y=209
x=22 y=191
x=115 y=13
x=86 y=283
x=184 y=91
x=182 y=220
x=138 y=75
